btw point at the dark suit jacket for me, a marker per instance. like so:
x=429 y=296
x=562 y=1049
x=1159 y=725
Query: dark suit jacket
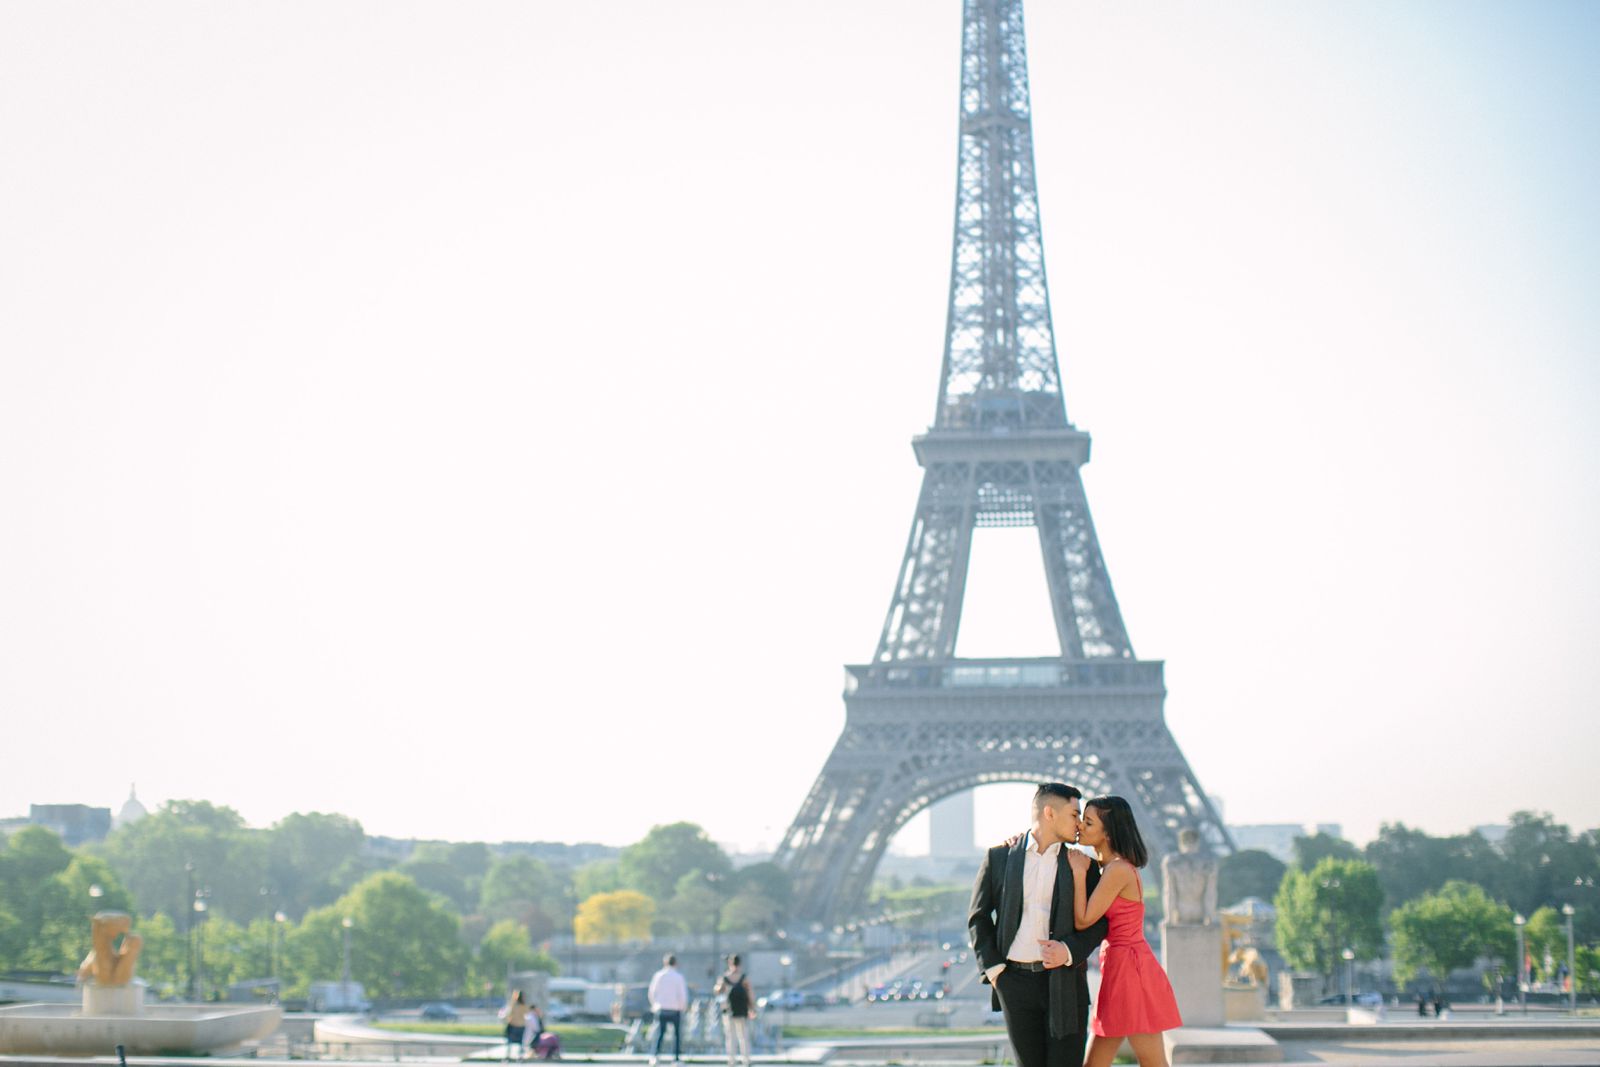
x=996 y=914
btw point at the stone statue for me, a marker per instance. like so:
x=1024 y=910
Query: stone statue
x=107 y=964
x=1249 y=969
x=1189 y=883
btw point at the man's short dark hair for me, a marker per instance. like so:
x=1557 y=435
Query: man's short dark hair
x=1052 y=791
x=670 y=960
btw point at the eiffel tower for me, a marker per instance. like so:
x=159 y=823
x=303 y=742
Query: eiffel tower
x=920 y=724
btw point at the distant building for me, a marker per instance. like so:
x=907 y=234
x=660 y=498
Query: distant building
x=132 y=811
x=75 y=824
x=951 y=828
x=1277 y=838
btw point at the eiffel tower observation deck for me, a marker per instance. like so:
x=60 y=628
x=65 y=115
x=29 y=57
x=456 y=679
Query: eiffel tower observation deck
x=920 y=723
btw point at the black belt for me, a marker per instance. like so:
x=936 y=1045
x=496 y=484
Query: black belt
x=1032 y=965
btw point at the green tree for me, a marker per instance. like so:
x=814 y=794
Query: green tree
x=163 y=959
x=220 y=945
x=430 y=867
x=506 y=948
x=655 y=864
x=612 y=918
x=1587 y=960
x=404 y=941
x=527 y=890
x=190 y=846
x=10 y=934
x=51 y=896
x=1333 y=906
x=67 y=905
x=695 y=906
x=31 y=859
x=1412 y=862
x=1310 y=851
x=601 y=876
x=1448 y=930
x=312 y=858
x=1249 y=872
x=765 y=879
x=1543 y=860
x=1546 y=935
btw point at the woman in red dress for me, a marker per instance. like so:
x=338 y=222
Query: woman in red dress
x=1135 y=1002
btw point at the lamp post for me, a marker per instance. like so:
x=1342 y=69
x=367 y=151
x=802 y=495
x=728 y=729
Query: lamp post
x=714 y=880
x=788 y=980
x=1572 y=961
x=344 y=975
x=188 y=922
x=1349 y=976
x=1522 y=958
x=278 y=919
x=200 y=945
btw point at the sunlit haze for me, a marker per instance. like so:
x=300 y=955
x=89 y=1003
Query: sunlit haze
x=491 y=421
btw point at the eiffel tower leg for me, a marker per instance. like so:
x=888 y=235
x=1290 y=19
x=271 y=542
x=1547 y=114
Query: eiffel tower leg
x=925 y=612
x=1087 y=617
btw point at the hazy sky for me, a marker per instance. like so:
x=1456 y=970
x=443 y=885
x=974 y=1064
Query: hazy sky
x=491 y=420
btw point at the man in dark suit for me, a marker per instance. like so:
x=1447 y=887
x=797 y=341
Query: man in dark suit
x=1022 y=933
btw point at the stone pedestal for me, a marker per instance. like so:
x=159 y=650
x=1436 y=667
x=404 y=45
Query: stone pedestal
x=1297 y=990
x=113 y=999
x=1244 y=1004
x=1192 y=956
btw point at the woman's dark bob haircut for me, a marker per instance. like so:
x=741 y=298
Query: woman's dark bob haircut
x=1122 y=833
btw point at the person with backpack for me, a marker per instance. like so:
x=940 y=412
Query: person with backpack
x=733 y=989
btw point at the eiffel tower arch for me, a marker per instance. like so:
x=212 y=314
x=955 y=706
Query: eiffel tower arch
x=920 y=723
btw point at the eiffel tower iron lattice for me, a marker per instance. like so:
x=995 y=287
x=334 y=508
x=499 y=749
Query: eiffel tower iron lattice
x=921 y=724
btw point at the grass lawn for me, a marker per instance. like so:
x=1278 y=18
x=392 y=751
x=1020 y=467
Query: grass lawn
x=573 y=1038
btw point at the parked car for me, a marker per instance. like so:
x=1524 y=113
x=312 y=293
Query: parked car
x=781 y=998
x=813 y=1000
x=439 y=1012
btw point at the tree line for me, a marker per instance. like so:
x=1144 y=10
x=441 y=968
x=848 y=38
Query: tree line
x=217 y=902
x=1433 y=904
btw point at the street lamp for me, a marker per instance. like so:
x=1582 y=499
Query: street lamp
x=787 y=961
x=200 y=946
x=1522 y=957
x=188 y=922
x=1572 y=963
x=1349 y=976
x=95 y=892
x=278 y=919
x=714 y=880
x=344 y=977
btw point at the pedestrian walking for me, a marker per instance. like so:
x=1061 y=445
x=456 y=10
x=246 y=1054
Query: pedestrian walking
x=515 y=1013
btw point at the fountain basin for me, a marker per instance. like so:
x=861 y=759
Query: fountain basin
x=65 y=1030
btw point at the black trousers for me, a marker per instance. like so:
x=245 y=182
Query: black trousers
x=1025 y=1002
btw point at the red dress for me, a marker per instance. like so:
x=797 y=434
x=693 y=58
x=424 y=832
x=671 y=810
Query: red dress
x=1135 y=996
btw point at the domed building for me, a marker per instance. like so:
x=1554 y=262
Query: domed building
x=132 y=811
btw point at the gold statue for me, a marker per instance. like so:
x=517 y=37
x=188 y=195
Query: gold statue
x=107 y=963
x=1251 y=969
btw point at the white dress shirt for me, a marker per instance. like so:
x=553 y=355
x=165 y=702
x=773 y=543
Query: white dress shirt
x=1038 y=890
x=669 y=991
